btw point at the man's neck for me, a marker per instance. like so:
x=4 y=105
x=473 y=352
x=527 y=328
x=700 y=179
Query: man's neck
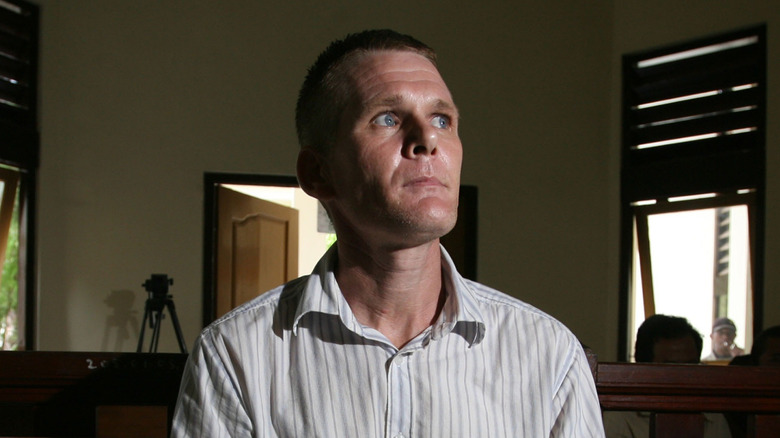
x=398 y=292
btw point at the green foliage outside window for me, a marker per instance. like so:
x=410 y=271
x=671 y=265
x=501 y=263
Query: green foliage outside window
x=9 y=287
x=331 y=239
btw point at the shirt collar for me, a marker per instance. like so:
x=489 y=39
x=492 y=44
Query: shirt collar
x=460 y=313
x=321 y=293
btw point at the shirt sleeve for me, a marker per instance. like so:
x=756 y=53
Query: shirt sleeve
x=577 y=403
x=209 y=403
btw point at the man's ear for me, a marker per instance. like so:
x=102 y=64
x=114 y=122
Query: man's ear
x=313 y=175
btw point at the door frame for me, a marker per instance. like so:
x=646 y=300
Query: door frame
x=211 y=181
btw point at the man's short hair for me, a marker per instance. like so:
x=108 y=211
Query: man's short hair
x=659 y=327
x=322 y=97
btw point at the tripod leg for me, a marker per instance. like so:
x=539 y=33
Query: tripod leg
x=156 y=332
x=176 y=326
x=143 y=327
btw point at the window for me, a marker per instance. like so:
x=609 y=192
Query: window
x=692 y=184
x=18 y=166
x=9 y=259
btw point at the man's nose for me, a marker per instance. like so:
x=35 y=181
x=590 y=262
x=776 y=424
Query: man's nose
x=421 y=140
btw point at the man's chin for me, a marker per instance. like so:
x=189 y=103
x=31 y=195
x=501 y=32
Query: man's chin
x=431 y=227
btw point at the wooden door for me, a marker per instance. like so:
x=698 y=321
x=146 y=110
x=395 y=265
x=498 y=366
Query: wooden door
x=257 y=247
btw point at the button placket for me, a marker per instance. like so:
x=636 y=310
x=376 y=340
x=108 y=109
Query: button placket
x=399 y=396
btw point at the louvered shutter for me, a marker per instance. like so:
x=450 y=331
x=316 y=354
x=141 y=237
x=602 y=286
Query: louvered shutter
x=18 y=83
x=694 y=116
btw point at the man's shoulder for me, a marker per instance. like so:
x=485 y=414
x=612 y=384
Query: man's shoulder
x=263 y=308
x=506 y=304
x=504 y=315
x=532 y=334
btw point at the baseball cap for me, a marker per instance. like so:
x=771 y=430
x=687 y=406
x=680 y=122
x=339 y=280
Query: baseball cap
x=723 y=323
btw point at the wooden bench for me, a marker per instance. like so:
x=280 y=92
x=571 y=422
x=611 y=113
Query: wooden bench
x=676 y=394
x=58 y=394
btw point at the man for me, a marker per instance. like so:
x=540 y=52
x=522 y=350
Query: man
x=766 y=349
x=384 y=338
x=723 y=347
x=667 y=339
x=663 y=339
x=765 y=352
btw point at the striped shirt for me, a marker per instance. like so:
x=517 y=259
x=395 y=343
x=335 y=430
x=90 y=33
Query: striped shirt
x=294 y=362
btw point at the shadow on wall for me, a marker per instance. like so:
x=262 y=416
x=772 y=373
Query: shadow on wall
x=122 y=326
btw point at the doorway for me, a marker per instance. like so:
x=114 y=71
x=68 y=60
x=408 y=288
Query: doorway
x=257 y=246
x=280 y=242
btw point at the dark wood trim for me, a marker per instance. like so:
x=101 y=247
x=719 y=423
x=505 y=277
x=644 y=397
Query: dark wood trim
x=461 y=242
x=688 y=388
x=58 y=393
x=27 y=260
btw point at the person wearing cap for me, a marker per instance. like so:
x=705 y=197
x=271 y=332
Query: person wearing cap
x=723 y=347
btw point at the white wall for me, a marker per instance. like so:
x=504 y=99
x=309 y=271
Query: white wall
x=140 y=98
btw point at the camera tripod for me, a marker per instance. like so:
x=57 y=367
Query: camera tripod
x=158 y=300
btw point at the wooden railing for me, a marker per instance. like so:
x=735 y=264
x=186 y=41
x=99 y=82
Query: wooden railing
x=58 y=394
x=748 y=396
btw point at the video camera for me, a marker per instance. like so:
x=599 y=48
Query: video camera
x=157 y=285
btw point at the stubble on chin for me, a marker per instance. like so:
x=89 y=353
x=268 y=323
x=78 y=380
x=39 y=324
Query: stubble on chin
x=427 y=222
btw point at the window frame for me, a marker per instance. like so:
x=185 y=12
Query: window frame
x=19 y=42
x=642 y=214
x=725 y=165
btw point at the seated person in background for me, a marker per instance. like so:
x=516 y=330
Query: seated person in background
x=663 y=339
x=765 y=351
x=667 y=339
x=723 y=347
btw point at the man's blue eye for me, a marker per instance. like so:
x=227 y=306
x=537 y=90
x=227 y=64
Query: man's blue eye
x=385 y=120
x=441 y=122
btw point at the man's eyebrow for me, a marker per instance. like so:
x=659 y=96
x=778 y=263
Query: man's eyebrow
x=383 y=102
x=443 y=105
x=390 y=101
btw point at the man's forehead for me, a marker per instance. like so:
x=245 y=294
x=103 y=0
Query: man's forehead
x=388 y=66
x=390 y=78
x=361 y=59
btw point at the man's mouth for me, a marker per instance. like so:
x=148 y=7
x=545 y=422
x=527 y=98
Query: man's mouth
x=425 y=181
